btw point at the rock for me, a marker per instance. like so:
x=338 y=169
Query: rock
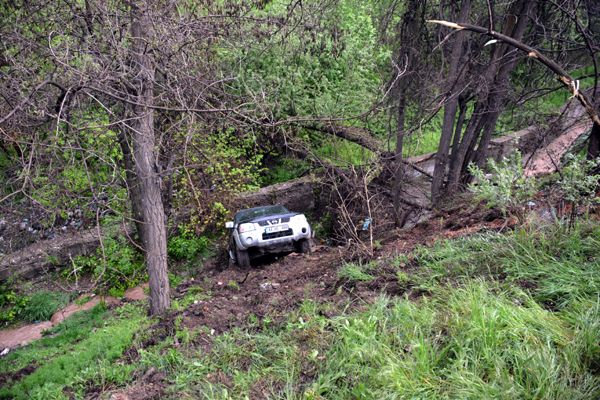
x=32 y=261
x=269 y=285
x=119 y=396
x=4 y=352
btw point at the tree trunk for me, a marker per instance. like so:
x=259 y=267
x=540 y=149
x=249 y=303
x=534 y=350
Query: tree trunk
x=132 y=187
x=153 y=227
x=490 y=97
x=398 y=166
x=593 y=150
x=441 y=157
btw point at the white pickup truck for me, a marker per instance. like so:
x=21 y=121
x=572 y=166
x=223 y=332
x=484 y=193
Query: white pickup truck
x=268 y=229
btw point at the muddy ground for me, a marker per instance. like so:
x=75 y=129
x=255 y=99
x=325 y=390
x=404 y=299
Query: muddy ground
x=275 y=286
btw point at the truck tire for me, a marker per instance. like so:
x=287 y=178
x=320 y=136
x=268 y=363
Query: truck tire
x=242 y=258
x=303 y=246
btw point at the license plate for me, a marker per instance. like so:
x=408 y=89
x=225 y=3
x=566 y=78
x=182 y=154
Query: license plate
x=278 y=228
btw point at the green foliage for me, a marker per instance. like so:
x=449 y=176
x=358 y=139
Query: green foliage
x=187 y=246
x=233 y=161
x=356 y=272
x=117 y=264
x=555 y=265
x=323 y=227
x=578 y=183
x=507 y=188
x=286 y=169
x=342 y=152
x=11 y=305
x=86 y=165
x=470 y=342
x=38 y=306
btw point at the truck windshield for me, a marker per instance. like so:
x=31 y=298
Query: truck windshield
x=251 y=213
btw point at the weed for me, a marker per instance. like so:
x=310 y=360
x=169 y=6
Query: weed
x=41 y=305
x=286 y=169
x=473 y=342
x=118 y=264
x=11 y=305
x=578 y=184
x=355 y=272
x=556 y=265
x=403 y=279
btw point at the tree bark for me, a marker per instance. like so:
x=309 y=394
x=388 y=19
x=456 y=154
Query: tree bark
x=398 y=165
x=490 y=98
x=441 y=157
x=153 y=227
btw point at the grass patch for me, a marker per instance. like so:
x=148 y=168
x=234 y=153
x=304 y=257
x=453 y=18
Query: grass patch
x=285 y=170
x=356 y=272
x=41 y=305
x=79 y=353
x=556 y=265
x=474 y=342
x=508 y=316
x=478 y=341
x=480 y=333
x=342 y=152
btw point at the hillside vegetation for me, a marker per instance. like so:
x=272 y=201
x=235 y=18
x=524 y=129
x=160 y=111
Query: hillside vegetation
x=491 y=315
x=411 y=134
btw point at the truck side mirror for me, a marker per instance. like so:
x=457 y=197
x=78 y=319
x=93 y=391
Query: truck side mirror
x=229 y=224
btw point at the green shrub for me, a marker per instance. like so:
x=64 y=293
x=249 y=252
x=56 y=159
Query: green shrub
x=506 y=188
x=578 y=183
x=11 y=305
x=187 y=246
x=119 y=267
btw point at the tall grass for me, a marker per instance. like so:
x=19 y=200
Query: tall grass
x=555 y=265
x=474 y=342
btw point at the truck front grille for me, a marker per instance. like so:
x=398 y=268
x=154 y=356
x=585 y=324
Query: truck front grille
x=274 y=221
x=267 y=236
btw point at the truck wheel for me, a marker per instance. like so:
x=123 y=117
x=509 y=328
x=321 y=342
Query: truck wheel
x=242 y=258
x=303 y=246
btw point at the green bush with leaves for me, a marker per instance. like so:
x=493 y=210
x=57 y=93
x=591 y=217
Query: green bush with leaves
x=41 y=305
x=506 y=187
x=187 y=246
x=578 y=183
x=11 y=305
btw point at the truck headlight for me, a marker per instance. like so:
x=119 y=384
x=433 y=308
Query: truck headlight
x=246 y=227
